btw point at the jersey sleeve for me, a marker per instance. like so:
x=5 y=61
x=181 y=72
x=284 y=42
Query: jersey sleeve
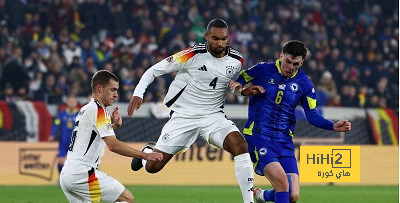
x=170 y=64
x=103 y=123
x=309 y=104
x=249 y=74
x=56 y=124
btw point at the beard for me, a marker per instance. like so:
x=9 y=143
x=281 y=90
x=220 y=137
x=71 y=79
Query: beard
x=217 y=50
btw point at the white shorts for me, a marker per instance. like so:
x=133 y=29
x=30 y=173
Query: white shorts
x=181 y=131
x=90 y=186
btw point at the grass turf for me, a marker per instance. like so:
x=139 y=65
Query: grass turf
x=209 y=194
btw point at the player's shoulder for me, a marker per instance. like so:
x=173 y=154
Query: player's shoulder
x=188 y=53
x=90 y=108
x=263 y=65
x=232 y=52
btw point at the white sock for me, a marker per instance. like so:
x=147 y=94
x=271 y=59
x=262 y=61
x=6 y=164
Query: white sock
x=146 y=150
x=245 y=176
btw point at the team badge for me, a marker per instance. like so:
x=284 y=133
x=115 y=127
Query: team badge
x=282 y=86
x=271 y=81
x=262 y=151
x=229 y=71
x=109 y=126
x=294 y=87
x=165 y=137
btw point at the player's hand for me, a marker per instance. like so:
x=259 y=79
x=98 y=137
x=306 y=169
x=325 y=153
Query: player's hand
x=51 y=139
x=154 y=156
x=342 y=126
x=253 y=90
x=235 y=85
x=134 y=104
x=117 y=118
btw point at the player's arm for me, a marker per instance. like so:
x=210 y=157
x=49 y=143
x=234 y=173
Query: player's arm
x=167 y=65
x=243 y=85
x=123 y=149
x=55 y=127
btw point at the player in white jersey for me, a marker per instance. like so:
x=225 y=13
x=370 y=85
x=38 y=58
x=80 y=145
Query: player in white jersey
x=80 y=178
x=196 y=99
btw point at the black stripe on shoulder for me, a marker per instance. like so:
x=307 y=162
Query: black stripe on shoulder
x=236 y=55
x=199 y=48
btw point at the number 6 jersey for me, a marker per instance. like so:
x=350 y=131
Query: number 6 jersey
x=202 y=80
x=87 y=146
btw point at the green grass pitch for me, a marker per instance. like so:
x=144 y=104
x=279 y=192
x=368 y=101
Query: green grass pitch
x=209 y=194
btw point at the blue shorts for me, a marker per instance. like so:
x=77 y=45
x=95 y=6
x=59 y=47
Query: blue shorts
x=264 y=150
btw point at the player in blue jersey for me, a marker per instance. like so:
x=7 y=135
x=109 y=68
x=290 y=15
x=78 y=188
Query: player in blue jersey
x=64 y=124
x=271 y=123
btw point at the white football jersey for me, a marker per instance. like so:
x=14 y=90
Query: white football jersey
x=93 y=122
x=202 y=80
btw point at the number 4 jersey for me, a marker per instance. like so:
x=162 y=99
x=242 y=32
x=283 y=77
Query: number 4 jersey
x=87 y=146
x=201 y=82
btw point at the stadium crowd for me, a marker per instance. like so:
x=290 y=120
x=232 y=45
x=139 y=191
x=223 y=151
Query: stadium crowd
x=52 y=48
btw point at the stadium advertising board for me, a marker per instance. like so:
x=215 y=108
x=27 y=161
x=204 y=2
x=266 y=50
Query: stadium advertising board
x=25 y=163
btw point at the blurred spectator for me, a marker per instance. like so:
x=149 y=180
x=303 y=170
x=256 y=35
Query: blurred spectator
x=357 y=42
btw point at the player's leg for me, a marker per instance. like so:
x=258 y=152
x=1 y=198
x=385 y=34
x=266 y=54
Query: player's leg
x=177 y=135
x=235 y=144
x=277 y=176
x=156 y=166
x=221 y=132
x=295 y=189
x=126 y=196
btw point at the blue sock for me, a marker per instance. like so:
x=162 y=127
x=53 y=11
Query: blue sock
x=282 y=197
x=59 y=166
x=269 y=195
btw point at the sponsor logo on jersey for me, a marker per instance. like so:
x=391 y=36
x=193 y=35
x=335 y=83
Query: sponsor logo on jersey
x=282 y=86
x=271 y=81
x=294 y=87
x=203 y=68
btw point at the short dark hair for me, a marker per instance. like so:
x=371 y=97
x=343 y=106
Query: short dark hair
x=102 y=77
x=295 y=48
x=216 y=23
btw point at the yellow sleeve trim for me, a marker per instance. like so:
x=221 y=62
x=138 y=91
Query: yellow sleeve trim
x=249 y=131
x=312 y=103
x=57 y=121
x=246 y=77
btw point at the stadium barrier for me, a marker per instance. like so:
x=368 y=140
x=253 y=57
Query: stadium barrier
x=25 y=163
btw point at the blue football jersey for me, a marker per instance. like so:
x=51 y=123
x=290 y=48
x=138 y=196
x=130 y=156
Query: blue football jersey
x=272 y=113
x=64 y=123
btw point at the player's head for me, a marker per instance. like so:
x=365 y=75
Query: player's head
x=105 y=87
x=217 y=37
x=71 y=102
x=292 y=57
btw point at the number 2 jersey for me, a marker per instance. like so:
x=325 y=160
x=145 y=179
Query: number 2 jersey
x=201 y=82
x=273 y=112
x=87 y=146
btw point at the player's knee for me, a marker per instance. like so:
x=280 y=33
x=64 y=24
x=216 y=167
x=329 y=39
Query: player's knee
x=130 y=198
x=294 y=197
x=152 y=168
x=239 y=147
x=126 y=196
